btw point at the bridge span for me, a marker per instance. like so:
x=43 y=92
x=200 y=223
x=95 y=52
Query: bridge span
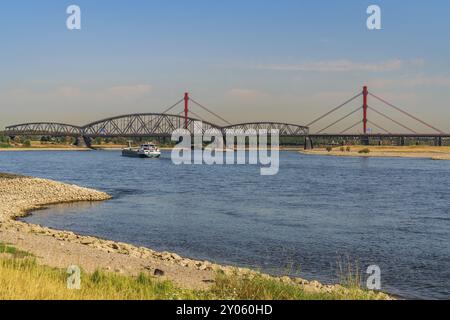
x=163 y=124
x=145 y=125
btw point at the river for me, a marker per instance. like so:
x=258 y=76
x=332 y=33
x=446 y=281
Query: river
x=318 y=213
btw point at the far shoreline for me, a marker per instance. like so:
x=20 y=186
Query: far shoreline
x=405 y=152
x=42 y=149
x=112 y=148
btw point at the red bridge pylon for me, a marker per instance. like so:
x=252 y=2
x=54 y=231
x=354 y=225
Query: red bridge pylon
x=365 y=120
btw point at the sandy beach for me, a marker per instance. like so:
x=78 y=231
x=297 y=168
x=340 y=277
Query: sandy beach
x=425 y=152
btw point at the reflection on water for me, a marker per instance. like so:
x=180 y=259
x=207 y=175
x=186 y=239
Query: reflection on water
x=317 y=211
x=63 y=208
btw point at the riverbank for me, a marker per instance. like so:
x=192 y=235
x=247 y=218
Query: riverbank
x=44 y=149
x=20 y=195
x=103 y=147
x=424 y=152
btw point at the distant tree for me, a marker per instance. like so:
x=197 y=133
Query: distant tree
x=27 y=143
x=5 y=142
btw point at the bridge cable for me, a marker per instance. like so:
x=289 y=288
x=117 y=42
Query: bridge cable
x=168 y=109
x=406 y=113
x=196 y=115
x=214 y=114
x=379 y=127
x=349 y=128
x=333 y=110
x=395 y=121
x=343 y=118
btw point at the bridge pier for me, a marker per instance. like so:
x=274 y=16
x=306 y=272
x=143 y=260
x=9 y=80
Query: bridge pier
x=438 y=141
x=309 y=145
x=84 y=142
x=365 y=140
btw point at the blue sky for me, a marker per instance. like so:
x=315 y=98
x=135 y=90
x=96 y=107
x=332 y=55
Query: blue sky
x=247 y=60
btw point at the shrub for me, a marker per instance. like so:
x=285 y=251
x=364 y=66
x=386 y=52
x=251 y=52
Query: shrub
x=5 y=142
x=27 y=143
x=365 y=151
x=342 y=149
x=349 y=149
x=329 y=149
x=5 y=139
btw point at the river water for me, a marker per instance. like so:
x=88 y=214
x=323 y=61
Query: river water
x=317 y=214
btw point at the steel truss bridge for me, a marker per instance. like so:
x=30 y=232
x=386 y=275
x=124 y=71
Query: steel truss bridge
x=144 y=125
x=164 y=124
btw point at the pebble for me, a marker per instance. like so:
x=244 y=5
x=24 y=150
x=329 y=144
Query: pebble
x=158 y=273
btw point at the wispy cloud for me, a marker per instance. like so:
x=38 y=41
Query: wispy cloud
x=413 y=81
x=343 y=65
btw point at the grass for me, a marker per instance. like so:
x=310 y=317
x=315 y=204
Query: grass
x=25 y=279
x=262 y=288
x=14 y=252
x=349 y=273
x=22 y=278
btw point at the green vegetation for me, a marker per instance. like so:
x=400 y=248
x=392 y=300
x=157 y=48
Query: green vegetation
x=329 y=149
x=364 y=151
x=262 y=288
x=348 y=149
x=292 y=141
x=27 y=143
x=16 y=253
x=22 y=278
x=5 y=142
x=349 y=273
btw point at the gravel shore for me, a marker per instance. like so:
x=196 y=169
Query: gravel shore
x=19 y=195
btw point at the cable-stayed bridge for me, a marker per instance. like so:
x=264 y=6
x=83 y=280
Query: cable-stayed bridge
x=164 y=123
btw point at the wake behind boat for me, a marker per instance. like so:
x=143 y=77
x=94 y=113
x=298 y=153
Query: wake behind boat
x=147 y=150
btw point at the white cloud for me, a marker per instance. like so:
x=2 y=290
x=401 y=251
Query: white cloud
x=343 y=65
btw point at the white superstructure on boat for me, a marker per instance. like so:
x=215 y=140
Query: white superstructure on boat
x=147 y=150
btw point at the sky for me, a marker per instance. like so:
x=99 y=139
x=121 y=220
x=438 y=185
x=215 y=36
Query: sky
x=253 y=60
